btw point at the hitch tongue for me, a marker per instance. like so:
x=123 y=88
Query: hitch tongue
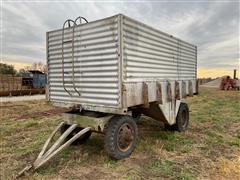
x=27 y=168
x=60 y=144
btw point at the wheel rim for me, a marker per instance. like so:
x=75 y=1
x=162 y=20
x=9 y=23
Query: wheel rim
x=125 y=137
x=184 y=119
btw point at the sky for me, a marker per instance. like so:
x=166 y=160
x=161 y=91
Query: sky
x=213 y=26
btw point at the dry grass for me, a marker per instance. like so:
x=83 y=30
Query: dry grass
x=227 y=169
x=210 y=149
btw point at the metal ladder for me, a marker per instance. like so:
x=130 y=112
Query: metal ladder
x=74 y=24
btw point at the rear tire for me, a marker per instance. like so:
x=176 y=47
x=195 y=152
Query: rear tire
x=81 y=139
x=182 y=119
x=121 y=137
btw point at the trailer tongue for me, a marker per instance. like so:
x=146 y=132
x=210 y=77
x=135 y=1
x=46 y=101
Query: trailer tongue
x=60 y=144
x=111 y=71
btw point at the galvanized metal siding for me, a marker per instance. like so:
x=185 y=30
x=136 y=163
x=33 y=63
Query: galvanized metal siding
x=150 y=54
x=96 y=64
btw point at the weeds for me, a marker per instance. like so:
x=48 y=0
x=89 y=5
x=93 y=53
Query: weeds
x=168 y=169
x=234 y=142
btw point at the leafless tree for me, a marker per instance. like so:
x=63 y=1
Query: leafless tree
x=37 y=66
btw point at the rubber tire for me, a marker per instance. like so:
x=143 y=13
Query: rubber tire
x=78 y=141
x=110 y=139
x=178 y=125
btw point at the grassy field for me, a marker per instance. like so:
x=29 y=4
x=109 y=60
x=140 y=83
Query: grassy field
x=209 y=149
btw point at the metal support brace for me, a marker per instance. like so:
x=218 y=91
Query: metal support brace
x=145 y=95
x=46 y=154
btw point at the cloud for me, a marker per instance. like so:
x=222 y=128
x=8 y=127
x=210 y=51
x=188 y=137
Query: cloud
x=212 y=26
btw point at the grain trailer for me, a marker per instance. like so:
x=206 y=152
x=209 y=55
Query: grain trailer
x=109 y=72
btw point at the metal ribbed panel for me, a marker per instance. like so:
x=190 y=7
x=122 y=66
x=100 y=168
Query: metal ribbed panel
x=110 y=55
x=96 y=64
x=150 y=54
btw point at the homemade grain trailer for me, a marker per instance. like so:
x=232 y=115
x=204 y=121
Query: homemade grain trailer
x=111 y=71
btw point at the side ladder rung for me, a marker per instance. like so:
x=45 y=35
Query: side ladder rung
x=69 y=41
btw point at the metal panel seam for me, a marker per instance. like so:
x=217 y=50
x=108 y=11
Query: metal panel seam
x=120 y=55
x=48 y=84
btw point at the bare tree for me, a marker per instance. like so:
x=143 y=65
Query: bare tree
x=37 y=66
x=34 y=66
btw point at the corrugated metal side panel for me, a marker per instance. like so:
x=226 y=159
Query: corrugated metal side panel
x=96 y=65
x=151 y=54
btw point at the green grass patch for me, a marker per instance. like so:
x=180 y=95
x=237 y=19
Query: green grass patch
x=110 y=163
x=184 y=140
x=186 y=149
x=169 y=147
x=165 y=135
x=133 y=175
x=169 y=169
x=234 y=142
x=213 y=139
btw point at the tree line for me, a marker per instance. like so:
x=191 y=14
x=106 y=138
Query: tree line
x=10 y=70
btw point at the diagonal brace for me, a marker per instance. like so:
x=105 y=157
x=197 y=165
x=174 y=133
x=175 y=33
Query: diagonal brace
x=48 y=153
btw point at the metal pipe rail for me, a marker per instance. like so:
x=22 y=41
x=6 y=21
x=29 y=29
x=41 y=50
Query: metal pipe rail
x=74 y=24
x=69 y=25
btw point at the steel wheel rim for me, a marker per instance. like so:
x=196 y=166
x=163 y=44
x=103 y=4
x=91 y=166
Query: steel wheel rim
x=125 y=137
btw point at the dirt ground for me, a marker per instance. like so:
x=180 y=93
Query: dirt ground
x=209 y=149
x=23 y=98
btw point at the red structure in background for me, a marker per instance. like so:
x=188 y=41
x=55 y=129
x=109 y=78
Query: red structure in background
x=227 y=83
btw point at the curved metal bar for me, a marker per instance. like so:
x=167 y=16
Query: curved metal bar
x=63 y=77
x=73 y=77
x=73 y=46
x=80 y=19
x=61 y=145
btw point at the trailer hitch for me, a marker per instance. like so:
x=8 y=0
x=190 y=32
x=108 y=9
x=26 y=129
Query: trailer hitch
x=60 y=144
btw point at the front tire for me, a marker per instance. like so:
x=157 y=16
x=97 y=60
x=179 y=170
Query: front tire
x=182 y=119
x=121 y=137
